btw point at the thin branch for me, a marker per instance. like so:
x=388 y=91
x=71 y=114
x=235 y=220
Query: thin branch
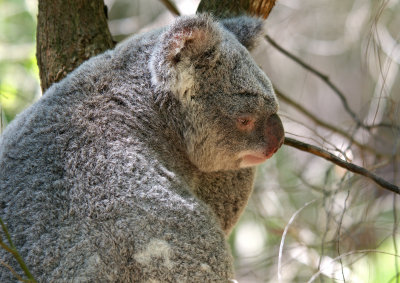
x=320 y=75
x=3 y=226
x=13 y=250
x=312 y=279
x=171 y=7
x=323 y=140
x=6 y=248
x=383 y=125
x=284 y=237
x=338 y=233
x=16 y=275
x=324 y=124
x=347 y=165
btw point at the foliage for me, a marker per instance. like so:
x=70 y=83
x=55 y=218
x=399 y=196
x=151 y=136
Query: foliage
x=19 y=85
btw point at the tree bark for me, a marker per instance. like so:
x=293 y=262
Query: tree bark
x=229 y=8
x=68 y=33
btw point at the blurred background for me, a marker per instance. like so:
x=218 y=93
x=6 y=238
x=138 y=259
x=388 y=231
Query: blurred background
x=307 y=220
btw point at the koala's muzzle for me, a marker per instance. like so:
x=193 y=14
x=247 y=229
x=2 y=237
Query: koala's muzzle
x=274 y=134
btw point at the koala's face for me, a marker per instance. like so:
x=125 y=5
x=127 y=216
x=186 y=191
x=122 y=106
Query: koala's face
x=228 y=103
x=229 y=138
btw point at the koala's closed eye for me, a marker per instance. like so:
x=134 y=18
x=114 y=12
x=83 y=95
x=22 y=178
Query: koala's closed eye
x=245 y=123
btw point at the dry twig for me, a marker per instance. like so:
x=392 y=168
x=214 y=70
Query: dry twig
x=16 y=275
x=320 y=75
x=284 y=237
x=322 y=123
x=13 y=250
x=315 y=275
x=347 y=165
x=171 y=7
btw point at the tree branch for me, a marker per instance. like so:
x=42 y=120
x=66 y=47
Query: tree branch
x=324 y=124
x=320 y=75
x=347 y=165
x=171 y=7
x=69 y=33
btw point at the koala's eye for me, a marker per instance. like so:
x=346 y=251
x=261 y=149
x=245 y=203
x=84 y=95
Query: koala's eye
x=245 y=123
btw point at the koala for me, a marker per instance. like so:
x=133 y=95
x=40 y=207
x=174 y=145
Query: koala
x=136 y=166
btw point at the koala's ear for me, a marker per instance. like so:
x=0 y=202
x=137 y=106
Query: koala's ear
x=188 y=43
x=246 y=29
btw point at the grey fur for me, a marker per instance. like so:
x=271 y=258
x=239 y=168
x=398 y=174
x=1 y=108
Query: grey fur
x=245 y=29
x=128 y=169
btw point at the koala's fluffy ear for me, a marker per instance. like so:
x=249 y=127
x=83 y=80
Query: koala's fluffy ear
x=246 y=29
x=188 y=43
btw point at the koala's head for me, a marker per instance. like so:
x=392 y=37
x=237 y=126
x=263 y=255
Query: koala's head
x=227 y=103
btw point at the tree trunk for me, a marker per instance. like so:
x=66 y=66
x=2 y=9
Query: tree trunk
x=68 y=33
x=229 y=8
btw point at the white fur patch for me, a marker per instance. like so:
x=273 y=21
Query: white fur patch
x=155 y=249
x=205 y=267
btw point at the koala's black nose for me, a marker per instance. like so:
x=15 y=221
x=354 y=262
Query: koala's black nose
x=274 y=134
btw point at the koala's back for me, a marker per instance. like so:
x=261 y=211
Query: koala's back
x=34 y=190
x=84 y=195
x=133 y=167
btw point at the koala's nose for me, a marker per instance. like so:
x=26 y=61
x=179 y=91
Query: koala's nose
x=274 y=134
